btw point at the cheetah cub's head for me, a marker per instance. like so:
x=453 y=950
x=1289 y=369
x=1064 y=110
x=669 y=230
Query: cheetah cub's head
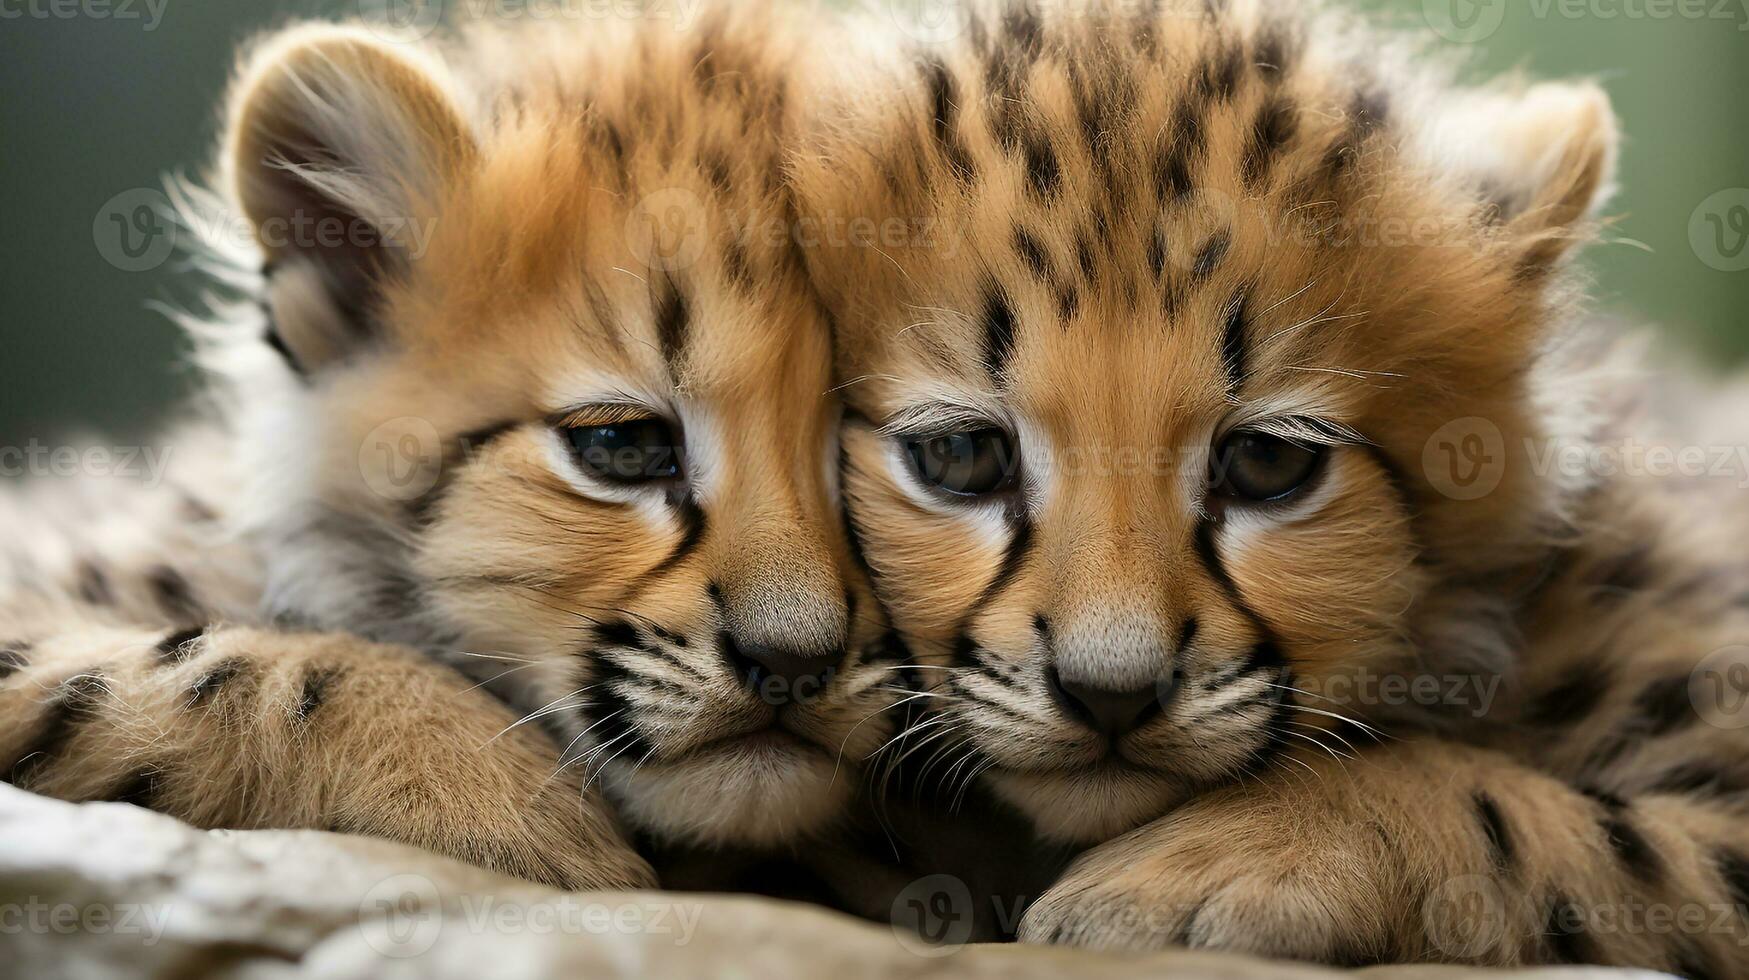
x=1146 y=417
x=542 y=388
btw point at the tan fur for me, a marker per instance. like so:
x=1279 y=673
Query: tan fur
x=540 y=229
x=1110 y=184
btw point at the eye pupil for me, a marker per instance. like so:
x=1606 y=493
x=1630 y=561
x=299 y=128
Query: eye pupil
x=969 y=463
x=1260 y=467
x=633 y=451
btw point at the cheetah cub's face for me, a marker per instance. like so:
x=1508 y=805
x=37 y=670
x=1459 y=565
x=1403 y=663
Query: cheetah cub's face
x=559 y=404
x=1140 y=435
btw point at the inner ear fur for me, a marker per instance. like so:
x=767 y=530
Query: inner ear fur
x=339 y=149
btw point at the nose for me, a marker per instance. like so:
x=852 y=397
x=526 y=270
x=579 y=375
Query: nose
x=781 y=676
x=1111 y=713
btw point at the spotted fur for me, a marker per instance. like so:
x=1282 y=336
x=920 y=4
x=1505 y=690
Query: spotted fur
x=565 y=227
x=1216 y=186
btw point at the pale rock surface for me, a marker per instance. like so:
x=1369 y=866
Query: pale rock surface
x=101 y=891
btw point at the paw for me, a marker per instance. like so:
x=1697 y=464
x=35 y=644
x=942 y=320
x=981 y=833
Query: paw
x=1232 y=872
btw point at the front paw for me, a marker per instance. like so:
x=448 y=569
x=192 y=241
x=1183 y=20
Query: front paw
x=1230 y=872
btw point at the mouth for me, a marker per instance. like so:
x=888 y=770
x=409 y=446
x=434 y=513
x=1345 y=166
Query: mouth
x=1089 y=803
x=765 y=787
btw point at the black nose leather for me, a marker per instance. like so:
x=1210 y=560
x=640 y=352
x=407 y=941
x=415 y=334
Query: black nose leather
x=779 y=676
x=1113 y=714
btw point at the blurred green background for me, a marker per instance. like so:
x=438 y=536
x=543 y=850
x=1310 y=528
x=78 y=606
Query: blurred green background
x=106 y=101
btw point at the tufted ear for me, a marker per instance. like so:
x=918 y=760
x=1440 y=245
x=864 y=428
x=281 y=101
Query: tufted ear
x=1544 y=155
x=339 y=150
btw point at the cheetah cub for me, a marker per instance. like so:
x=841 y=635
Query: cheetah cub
x=1217 y=411
x=536 y=388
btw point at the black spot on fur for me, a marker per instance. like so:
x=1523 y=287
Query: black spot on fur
x=1022 y=28
x=318 y=681
x=1734 y=871
x=1631 y=847
x=1273 y=130
x=1665 y=706
x=1234 y=355
x=1044 y=172
x=75 y=702
x=1034 y=255
x=173 y=594
x=1209 y=257
x=1626 y=573
x=93 y=585
x=1500 y=847
x=944 y=111
x=1157 y=253
x=672 y=317
x=215 y=679
x=999 y=331
x=737 y=267
x=1219 y=77
x=1068 y=303
x=619 y=633
x=181 y=645
x=716 y=170
x=1564 y=936
x=1174 y=155
x=1700 y=778
x=1085 y=259
x=139 y=789
x=14 y=657
x=1274 y=54
x=1571 y=701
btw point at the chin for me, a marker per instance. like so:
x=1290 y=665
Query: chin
x=1088 y=806
x=762 y=791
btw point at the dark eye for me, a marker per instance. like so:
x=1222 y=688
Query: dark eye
x=1255 y=466
x=633 y=451
x=968 y=464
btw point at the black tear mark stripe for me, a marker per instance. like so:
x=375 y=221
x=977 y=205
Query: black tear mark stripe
x=1019 y=545
x=672 y=324
x=999 y=331
x=180 y=646
x=276 y=343
x=1501 y=851
x=75 y=703
x=215 y=679
x=1208 y=552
